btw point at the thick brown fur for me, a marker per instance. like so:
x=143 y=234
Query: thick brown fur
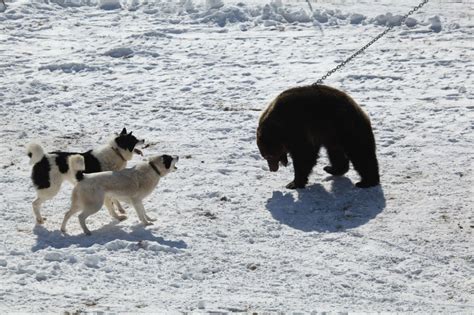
x=301 y=120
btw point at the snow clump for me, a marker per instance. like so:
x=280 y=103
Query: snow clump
x=321 y=17
x=122 y=52
x=230 y=14
x=435 y=24
x=54 y=256
x=411 y=22
x=214 y=4
x=357 y=18
x=110 y=4
x=92 y=261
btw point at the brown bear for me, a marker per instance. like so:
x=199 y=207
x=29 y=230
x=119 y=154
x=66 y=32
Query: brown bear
x=301 y=120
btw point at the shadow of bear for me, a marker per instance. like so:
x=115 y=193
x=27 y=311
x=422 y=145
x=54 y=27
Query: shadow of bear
x=317 y=209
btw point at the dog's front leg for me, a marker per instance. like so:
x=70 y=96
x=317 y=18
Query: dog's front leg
x=140 y=209
x=36 y=210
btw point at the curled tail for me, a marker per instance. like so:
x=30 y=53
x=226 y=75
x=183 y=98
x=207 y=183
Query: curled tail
x=77 y=164
x=35 y=152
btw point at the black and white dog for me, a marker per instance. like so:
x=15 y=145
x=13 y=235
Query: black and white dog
x=51 y=169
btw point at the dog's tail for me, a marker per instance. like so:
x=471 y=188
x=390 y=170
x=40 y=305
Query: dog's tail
x=35 y=152
x=78 y=166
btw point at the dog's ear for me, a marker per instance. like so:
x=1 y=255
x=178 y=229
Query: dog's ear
x=124 y=131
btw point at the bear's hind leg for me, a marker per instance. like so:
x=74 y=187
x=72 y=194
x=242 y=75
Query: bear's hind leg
x=339 y=161
x=304 y=158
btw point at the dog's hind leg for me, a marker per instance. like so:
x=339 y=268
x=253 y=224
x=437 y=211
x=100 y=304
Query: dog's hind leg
x=74 y=208
x=67 y=216
x=109 y=204
x=82 y=221
x=42 y=195
x=90 y=208
x=138 y=205
x=119 y=206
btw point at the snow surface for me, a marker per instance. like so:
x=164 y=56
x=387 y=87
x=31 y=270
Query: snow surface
x=192 y=78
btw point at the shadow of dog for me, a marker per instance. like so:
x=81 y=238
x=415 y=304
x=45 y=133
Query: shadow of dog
x=104 y=235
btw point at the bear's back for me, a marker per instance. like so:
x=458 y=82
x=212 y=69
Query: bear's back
x=313 y=103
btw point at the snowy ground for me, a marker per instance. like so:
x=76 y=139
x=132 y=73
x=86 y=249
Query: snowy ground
x=230 y=237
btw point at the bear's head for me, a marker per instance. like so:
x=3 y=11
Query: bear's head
x=270 y=142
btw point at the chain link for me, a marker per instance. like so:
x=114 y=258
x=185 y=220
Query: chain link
x=388 y=29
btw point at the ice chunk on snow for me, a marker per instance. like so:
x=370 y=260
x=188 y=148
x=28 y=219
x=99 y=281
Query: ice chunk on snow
x=269 y=23
x=295 y=16
x=110 y=4
x=357 y=18
x=116 y=245
x=72 y=259
x=70 y=3
x=269 y=14
x=411 y=22
x=214 y=4
x=321 y=17
x=92 y=261
x=201 y=305
x=221 y=17
x=54 y=256
x=69 y=67
x=189 y=6
x=381 y=19
x=121 y=52
x=435 y=24
x=277 y=3
x=244 y=27
x=162 y=248
x=41 y=276
x=394 y=20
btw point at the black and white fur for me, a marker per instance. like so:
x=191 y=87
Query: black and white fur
x=130 y=185
x=51 y=169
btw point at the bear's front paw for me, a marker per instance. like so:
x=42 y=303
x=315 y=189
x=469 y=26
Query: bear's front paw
x=292 y=185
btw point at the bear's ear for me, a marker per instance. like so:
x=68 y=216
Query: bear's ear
x=124 y=131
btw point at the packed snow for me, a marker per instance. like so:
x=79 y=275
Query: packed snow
x=192 y=77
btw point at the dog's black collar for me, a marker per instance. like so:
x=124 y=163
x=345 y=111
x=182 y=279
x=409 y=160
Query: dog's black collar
x=119 y=154
x=155 y=168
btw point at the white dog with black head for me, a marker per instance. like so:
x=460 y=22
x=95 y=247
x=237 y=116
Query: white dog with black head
x=130 y=185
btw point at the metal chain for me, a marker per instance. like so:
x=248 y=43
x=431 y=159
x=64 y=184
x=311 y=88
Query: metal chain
x=310 y=6
x=388 y=29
